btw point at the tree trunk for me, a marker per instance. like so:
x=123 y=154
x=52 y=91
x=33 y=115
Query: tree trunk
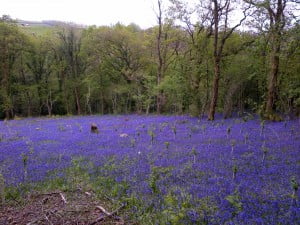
x=273 y=76
x=220 y=13
x=63 y=89
x=217 y=60
x=49 y=103
x=29 y=106
x=88 y=100
x=5 y=84
x=39 y=91
x=49 y=108
x=102 y=101
x=160 y=58
x=215 y=90
x=77 y=101
x=204 y=107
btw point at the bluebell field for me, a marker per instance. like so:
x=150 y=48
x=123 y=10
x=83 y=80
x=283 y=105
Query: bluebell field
x=189 y=171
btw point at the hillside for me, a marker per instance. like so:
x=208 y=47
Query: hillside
x=44 y=27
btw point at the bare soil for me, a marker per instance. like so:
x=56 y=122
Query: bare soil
x=59 y=208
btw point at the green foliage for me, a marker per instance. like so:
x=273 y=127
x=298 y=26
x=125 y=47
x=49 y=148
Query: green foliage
x=167 y=144
x=113 y=69
x=232 y=143
x=25 y=164
x=158 y=173
x=174 y=129
x=234 y=171
x=294 y=184
x=228 y=131
x=132 y=142
x=151 y=133
x=78 y=174
x=174 y=211
x=235 y=202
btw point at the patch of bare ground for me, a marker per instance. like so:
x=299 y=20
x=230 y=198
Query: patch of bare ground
x=61 y=208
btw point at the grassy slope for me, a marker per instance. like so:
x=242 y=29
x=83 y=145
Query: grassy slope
x=38 y=30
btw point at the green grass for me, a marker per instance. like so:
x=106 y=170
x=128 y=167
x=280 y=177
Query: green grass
x=108 y=190
x=39 y=30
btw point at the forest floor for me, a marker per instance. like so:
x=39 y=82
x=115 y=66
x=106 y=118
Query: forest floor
x=149 y=170
x=59 y=208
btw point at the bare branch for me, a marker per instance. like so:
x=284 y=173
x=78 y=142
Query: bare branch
x=107 y=214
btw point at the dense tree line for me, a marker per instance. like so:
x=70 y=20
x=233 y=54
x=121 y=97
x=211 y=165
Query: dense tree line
x=183 y=65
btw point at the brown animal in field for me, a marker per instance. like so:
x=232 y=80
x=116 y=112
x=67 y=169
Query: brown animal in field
x=94 y=128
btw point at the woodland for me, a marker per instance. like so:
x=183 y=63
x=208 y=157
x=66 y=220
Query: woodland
x=199 y=59
x=131 y=125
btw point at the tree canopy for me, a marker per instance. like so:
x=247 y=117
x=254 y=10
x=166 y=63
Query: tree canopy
x=196 y=60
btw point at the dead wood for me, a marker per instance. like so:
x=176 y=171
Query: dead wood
x=94 y=128
x=57 y=208
x=107 y=214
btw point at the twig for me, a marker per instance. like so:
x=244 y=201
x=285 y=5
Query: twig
x=121 y=221
x=63 y=198
x=35 y=221
x=28 y=213
x=109 y=198
x=103 y=210
x=84 y=192
x=55 y=193
x=45 y=200
x=47 y=194
x=108 y=214
x=78 y=211
x=48 y=220
x=51 y=193
x=55 y=212
x=88 y=193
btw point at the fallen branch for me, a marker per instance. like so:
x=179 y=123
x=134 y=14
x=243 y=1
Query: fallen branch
x=45 y=200
x=35 y=221
x=103 y=210
x=48 y=220
x=56 y=213
x=107 y=214
x=121 y=221
x=63 y=198
x=88 y=193
x=53 y=193
x=41 y=194
x=78 y=211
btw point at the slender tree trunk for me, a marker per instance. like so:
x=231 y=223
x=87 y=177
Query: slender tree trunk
x=217 y=59
x=221 y=13
x=39 y=91
x=215 y=90
x=102 y=101
x=147 y=109
x=29 y=107
x=206 y=86
x=49 y=103
x=88 y=100
x=273 y=76
x=49 y=110
x=27 y=92
x=277 y=20
x=77 y=101
x=66 y=101
x=5 y=84
x=49 y=107
x=160 y=58
x=63 y=87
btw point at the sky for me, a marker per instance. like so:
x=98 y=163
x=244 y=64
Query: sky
x=86 y=12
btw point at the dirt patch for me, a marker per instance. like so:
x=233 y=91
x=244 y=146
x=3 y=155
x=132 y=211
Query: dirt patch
x=60 y=208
